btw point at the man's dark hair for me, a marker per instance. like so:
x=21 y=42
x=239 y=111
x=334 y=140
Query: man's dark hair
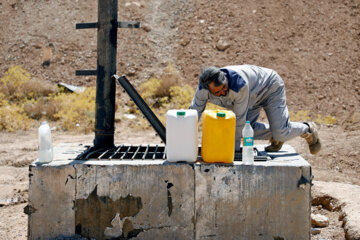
x=211 y=74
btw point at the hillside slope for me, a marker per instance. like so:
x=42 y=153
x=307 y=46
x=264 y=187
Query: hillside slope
x=313 y=45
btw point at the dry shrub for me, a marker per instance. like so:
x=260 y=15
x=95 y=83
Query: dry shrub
x=299 y=116
x=17 y=85
x=11 y=83
x=36 y=89
x=181 y=96
x=162 y=94
x=13 y=118
x=148 y=90
x=23 y=99
x=77 y=111
x=157 y=91
x=303 y=115
x=3 y=101
x=43 y=107
x=169 y=78
x=328 y=119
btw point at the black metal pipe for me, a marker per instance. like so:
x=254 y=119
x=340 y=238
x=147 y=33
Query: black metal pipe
x=144 y=108
x=106 y=67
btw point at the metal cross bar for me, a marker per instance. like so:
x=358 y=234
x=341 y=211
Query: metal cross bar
x=117 y=150
x=137 y=150
x=128 y=24
x=154 y=156
x=122 y=157
x=86 y=72
x=103 y=154
x=145 y=152
x=86 y=25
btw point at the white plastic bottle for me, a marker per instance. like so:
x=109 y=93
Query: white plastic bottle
x=248 y=144
x=45 y=143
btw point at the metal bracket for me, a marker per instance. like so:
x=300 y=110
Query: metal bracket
x=86 y=25
x=129 y=24
x=86 y=72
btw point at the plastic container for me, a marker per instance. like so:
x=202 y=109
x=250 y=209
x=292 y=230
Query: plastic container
x=182 y=135
x=248 y=144
x=218 y=137
x=45 y=153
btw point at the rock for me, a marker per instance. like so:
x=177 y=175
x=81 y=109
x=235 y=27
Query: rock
x=185 y=42
x=128 y=4
x=319 y=220
x=146 y=28
x=222 y=45
x=315 y=231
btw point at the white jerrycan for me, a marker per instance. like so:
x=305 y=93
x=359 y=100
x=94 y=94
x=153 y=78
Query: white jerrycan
x=181 y=135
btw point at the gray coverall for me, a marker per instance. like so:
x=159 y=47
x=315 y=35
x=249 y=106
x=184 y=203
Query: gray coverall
x=250 y=89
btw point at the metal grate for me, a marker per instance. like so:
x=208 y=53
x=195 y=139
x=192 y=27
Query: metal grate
x=129 y=152
x=149 y=152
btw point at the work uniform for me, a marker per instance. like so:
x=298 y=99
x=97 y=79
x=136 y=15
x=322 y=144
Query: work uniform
x=251 y=88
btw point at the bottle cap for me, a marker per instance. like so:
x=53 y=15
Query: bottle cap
x=247 y=121
x=180 y=113
x=220 y=114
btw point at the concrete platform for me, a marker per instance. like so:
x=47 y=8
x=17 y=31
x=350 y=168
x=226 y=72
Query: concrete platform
x=143 y=199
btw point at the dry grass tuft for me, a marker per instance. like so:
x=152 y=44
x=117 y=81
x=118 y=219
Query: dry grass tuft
x=23 y=100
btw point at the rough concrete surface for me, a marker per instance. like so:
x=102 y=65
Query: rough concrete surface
x=152 y=200
x=348 y=197
x=159 y=200
x=251 y=202
x=51 y=208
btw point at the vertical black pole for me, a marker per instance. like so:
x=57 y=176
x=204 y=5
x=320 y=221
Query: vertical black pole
x=106 y=67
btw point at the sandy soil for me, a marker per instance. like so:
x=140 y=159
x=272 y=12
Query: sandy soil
x=313 y=45
x=20 y=149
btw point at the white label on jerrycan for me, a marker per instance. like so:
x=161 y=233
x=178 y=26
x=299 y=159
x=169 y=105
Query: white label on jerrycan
x=181 y=135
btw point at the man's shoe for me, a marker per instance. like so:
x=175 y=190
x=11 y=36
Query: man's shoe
x=312 y=138
x=274 y=146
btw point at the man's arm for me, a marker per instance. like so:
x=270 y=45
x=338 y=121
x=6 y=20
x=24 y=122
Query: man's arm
x=199 y=101
x=241 y=105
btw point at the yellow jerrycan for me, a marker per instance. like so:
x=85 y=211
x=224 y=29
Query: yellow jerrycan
x=218 y=136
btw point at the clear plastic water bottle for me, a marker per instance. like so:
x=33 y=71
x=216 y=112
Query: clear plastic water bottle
x=45 y=143
x=248 y=144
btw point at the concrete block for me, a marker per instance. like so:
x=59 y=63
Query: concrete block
x=159 y=200
x=147 y=199
x=267 y=200
x=51 y=201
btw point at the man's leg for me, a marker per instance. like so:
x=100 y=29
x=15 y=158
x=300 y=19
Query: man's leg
x=278 y=115
x=261 y=130
x=280 y=126
x=283 y=130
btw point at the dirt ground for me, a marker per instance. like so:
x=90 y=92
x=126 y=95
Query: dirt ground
x=313 y=45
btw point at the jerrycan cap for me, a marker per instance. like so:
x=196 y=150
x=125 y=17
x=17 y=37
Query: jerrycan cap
x=180 y=113
x=220 y=114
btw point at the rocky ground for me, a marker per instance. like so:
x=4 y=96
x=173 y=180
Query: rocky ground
x=313 y=45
